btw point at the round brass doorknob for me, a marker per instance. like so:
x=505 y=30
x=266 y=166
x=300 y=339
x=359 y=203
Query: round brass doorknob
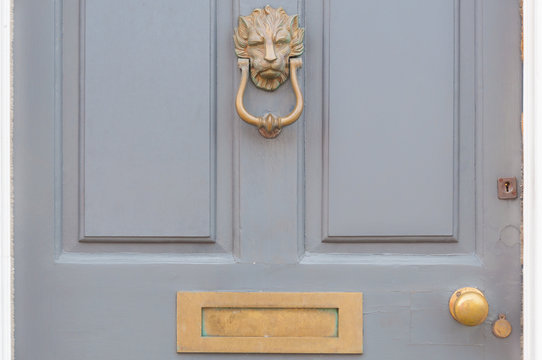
x=469 y=306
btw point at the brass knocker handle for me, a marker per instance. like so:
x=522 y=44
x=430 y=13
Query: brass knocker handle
x=269 y=125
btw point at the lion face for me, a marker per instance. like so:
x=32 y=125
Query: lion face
x=268 y=37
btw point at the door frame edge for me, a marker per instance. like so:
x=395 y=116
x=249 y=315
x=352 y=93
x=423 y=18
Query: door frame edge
x=532 y=167
x=6 y=263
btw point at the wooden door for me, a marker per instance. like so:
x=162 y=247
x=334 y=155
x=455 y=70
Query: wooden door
x=135 y=179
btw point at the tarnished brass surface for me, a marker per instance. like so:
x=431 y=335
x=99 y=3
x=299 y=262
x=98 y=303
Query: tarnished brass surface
x=270 y=322
x=269 y=125
x=469 y=306
x=266 y=41
x=256 y=322
x=507 y=188
x=502 y=327
x=268 y=37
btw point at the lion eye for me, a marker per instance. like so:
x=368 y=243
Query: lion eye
x=282 y=41
x=255 y=42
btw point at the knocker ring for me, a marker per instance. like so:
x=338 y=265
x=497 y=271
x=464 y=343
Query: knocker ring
x=269 y=125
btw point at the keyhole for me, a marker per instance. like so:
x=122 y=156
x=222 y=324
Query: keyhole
x=507 y=188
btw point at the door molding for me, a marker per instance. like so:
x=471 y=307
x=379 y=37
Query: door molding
x=6 y=290
x=532 y=200
x=532 y=104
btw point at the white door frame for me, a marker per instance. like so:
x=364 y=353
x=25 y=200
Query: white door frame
x=532 y=221
x=532 y=199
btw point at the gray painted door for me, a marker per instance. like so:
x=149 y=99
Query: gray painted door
x=135 y=179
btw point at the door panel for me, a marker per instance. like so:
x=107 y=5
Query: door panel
x=391 y=112
x=410 y=143
x=146 y=123
x=134 y=178
x=146 y=173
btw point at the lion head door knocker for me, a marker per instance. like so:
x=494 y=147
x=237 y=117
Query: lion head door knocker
x=267 y=42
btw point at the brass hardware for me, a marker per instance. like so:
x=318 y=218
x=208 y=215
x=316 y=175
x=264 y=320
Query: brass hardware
x=266 y=42
x=507 y=188
x=469 y=306
x=269 y=125
x=269 y=322
x=502 y=327
x=268 y=37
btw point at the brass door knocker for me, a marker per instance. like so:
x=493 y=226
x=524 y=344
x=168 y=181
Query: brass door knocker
x=266 y=41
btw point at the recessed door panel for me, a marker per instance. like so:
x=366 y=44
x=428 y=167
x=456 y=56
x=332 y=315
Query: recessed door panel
x=405 y=172
x=391 y=114
x=139 y=151
x=147 y=119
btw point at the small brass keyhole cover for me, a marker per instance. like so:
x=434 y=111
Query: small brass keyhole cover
x=469 y=306
x=502 y=327
x=507 y=188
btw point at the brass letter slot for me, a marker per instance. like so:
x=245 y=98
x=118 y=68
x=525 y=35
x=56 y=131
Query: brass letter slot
x=233 y=322
x=269 y=322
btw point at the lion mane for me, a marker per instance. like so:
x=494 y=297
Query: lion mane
x=273 y=20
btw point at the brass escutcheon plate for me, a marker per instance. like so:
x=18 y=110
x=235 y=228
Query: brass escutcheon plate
x=502 y=327
x=269 y=322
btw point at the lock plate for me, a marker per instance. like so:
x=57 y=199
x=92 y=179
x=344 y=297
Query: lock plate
x=507 y=188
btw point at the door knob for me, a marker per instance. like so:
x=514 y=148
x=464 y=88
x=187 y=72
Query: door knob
x=469 y=306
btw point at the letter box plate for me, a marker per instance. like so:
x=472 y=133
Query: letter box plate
x=269 y=322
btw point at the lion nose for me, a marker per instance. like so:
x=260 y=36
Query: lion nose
x=270 y=52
